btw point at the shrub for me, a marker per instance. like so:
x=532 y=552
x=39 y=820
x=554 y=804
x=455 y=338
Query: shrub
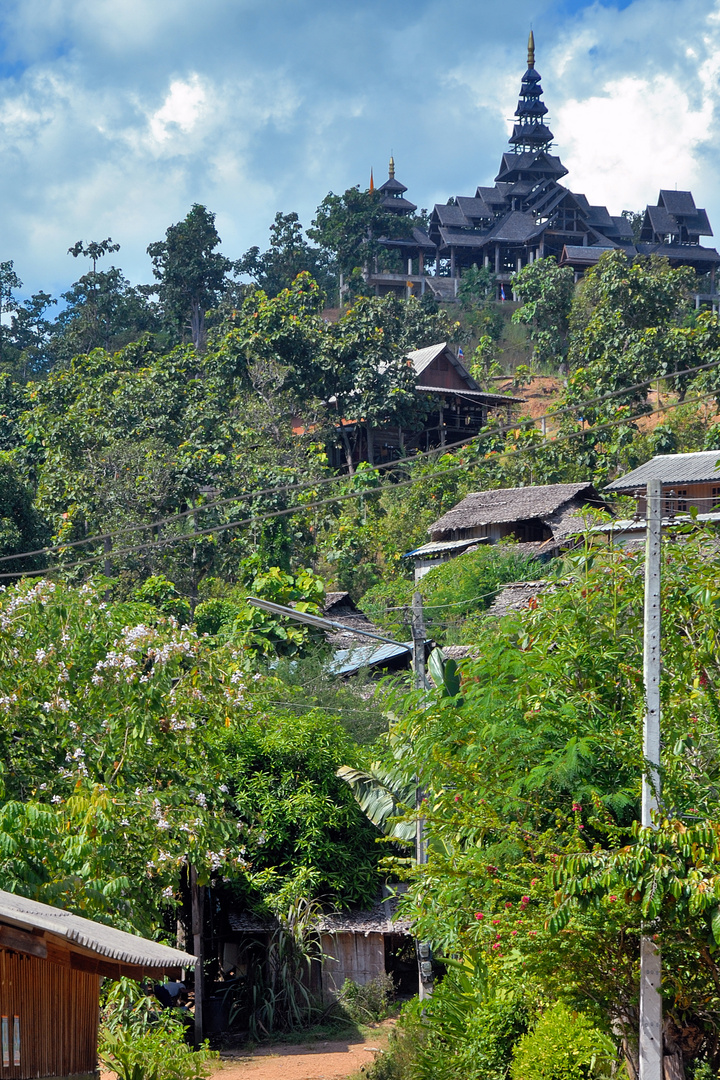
x=157 y=1052
x=369 y=1002
x=162 y=594
x=563 y=1045
x=454 y=590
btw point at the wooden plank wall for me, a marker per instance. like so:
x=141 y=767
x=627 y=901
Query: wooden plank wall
x=58 y=1010
x=360 y=957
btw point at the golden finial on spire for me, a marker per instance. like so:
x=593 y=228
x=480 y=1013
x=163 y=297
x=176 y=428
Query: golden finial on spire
x=531 y=50
x=391 y=168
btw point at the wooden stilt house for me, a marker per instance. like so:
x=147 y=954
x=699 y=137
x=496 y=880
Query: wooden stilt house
x=51 y=964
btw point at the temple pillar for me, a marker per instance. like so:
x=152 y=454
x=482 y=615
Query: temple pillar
x=410 y=267
x=497 y=258
x=452 y=262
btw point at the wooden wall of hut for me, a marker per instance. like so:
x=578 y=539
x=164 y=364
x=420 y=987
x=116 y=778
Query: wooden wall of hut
x=356 y=956
x=57 y=1017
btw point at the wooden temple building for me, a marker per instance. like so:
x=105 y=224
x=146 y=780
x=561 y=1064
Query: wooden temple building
x=529 y=214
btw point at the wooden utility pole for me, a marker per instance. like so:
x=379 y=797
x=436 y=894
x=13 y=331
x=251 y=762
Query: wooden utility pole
x=196 y=900
x=650 y=1035
x=424 y=953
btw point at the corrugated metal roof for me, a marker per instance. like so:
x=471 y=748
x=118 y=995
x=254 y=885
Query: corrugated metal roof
x=87 y=934
x=694 y=468
x=439 y=547
x=422 y=358
x=638 y=525
x=348 y=661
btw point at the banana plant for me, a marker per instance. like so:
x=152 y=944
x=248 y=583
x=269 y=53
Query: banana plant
x=383 y=794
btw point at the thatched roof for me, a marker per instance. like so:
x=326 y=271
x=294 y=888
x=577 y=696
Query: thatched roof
x=340 y=607
x=379 y=919
x=508 y=505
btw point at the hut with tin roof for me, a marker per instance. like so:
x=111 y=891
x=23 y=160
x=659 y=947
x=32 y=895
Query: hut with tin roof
x=51 y=964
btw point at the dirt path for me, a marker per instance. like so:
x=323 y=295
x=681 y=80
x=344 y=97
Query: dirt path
x=311 y=1061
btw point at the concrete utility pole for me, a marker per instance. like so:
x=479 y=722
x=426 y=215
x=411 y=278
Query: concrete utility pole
x=196 y=901
x=424 y=953
x=650 y=1036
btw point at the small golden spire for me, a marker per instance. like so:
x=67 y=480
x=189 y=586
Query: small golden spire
x=391 y=168
x=372 y=181
x=531 y=50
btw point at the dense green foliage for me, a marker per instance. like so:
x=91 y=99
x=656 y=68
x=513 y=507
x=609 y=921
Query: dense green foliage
x=179 y=439
x=130 y=746
x=538 y=875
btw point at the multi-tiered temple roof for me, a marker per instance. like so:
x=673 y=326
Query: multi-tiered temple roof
x=528 y=214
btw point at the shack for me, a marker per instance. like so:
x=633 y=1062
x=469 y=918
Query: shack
x=687 y=480
x=357 y=945
x=542 y=519
x=51 y=964
x=355 y=652
x=360 y=945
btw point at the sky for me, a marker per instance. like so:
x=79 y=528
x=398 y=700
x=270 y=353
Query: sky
x=117 y=115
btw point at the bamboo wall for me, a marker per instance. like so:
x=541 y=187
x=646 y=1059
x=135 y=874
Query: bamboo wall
x=57 y=1007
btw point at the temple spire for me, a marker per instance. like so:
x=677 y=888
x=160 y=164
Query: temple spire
x=391 y=168
x=530 y=132
x=372 y=180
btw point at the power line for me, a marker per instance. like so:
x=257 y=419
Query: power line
x=332 y=500
x=321 y=481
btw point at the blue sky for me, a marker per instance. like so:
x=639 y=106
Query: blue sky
x=117 y=115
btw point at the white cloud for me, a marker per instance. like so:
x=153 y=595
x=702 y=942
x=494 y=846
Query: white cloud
x=182 y=109
x=636 y=137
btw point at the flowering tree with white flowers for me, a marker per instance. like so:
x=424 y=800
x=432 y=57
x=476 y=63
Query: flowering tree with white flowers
x=130 y=747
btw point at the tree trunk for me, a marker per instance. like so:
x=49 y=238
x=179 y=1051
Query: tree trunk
x=197 y=324
x=370 y=444
x=348 y=450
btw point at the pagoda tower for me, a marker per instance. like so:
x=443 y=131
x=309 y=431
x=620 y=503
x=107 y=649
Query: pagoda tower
x=530 y=131
x=393 y=194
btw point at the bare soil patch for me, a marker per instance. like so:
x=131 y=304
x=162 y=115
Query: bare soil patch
x=323 y=1060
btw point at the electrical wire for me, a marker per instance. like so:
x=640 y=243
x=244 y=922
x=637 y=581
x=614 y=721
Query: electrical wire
x=332 y=500
x=321 y=481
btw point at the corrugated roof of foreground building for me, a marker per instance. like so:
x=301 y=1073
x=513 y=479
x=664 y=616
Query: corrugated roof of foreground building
x=86 y=934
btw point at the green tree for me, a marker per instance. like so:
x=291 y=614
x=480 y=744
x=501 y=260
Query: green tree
x=30 y=336
x=102 y=311
x=370 y=343
x=289 y=254
x=9 y=284
x=547 y=293
x=538 y=872
x=130 y=746
x=192 y=275
x=348 y=229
